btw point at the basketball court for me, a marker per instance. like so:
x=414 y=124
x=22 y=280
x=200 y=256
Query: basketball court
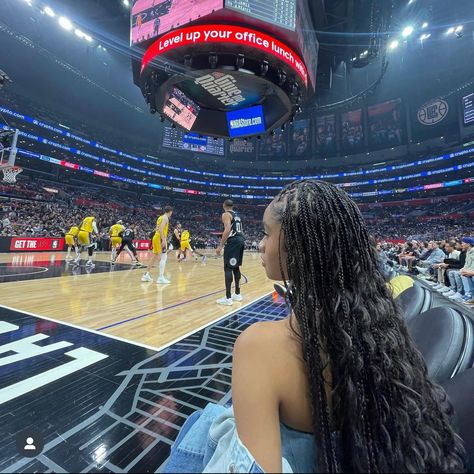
x=111 y=299
x=134 y=359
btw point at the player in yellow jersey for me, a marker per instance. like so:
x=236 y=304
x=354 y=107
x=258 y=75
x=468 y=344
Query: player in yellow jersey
x=87 y=229
x=160 y=246
x=70 y=238
x=115 y=238
x=185 y=247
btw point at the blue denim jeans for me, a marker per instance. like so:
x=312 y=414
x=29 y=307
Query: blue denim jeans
x=455 y=281
x=468 y=284
x=209 y=442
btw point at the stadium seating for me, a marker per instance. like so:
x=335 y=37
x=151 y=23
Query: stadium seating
x=444 y=337
x=460 y=390
x=414 y=301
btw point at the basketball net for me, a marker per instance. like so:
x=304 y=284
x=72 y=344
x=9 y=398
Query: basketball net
x=10 y=172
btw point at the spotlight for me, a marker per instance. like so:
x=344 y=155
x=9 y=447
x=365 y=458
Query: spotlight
x=65 y=23
x=394 y=44
x=283 y=127
x=240 y=61
x=49 y=11
x=407 y=31
x=450 y=31
x=188 y=60
x=264 y=67
x=126 y=3
x=424 y=37
x=213 y=60
x=424 y=25
x=79 y=33
x=88 y=38
x=459 y=28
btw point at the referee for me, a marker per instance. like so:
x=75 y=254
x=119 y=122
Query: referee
x=128 y=236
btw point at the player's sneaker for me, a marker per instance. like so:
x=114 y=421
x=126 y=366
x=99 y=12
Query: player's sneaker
x=163 y=281
x=237 y=297
x=77 y=261
x=147 y=277
x=90 y=264
x=138 y=264
x=225 y=301
x=203 y=259
x=69 y=257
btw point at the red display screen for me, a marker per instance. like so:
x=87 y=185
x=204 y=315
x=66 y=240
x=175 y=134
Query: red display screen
x=32 y=244
x=152 y=18
x=203 y=34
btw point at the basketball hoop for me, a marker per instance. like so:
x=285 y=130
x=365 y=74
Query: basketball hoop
x=10 y=173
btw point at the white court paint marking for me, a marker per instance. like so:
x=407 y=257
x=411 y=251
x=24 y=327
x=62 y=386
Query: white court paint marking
x=26 y=348
x=7 y=327
x=43 y=270
x=82 y=358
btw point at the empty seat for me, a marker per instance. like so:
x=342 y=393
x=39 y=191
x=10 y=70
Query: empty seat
x=460 y=390
x=414 y=301
x=444 y=336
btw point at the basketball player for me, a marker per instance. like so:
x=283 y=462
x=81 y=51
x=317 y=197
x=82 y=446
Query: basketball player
x=176 y=240
x=160 y=246
x=115 y=238
x=70 y=238
x=185 y=246
x=87 y=230
x=233 y=243
x=127 y=237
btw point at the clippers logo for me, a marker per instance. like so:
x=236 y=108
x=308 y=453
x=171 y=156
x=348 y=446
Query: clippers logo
x=433 y=112
x=222 y=87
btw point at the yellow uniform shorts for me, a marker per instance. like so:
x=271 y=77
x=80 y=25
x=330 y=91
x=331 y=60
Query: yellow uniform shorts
x=115 y=241
x=156 y=242
x=69 y=240
x=83 y=238
x=185 y=245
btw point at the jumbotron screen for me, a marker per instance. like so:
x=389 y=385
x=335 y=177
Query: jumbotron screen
x=179 y=140
x=468 y=109
x=152 y=18
x=180 y=108
x=277 y=12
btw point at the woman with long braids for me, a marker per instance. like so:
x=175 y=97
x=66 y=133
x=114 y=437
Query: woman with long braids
x=338 y=386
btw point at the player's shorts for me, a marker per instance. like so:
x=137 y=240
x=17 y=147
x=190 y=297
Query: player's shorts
x=156 y=242
x=185 y=245
x=84 y=238
x=115 y=241
x=175 y=242
x=234 y=251
x=69 y=240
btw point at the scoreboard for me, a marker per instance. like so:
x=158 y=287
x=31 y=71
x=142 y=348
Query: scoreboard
x=277 y=12
x=468 y=109
x=179 y=140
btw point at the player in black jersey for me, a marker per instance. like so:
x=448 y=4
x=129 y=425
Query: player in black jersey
x=128 y=236
x=176 y=240
x=233 y=243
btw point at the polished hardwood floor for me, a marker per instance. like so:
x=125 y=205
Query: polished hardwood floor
x=114 y=301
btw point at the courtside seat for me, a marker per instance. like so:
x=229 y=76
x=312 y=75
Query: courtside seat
x=460 y=390
x=414 y=301
x=444 y=336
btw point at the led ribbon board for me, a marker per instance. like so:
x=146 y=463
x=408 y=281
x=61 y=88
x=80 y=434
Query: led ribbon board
x=226 y=34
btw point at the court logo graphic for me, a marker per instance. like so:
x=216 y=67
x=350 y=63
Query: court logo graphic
x=54 y=244
x=433 y=112
x=233 y=262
